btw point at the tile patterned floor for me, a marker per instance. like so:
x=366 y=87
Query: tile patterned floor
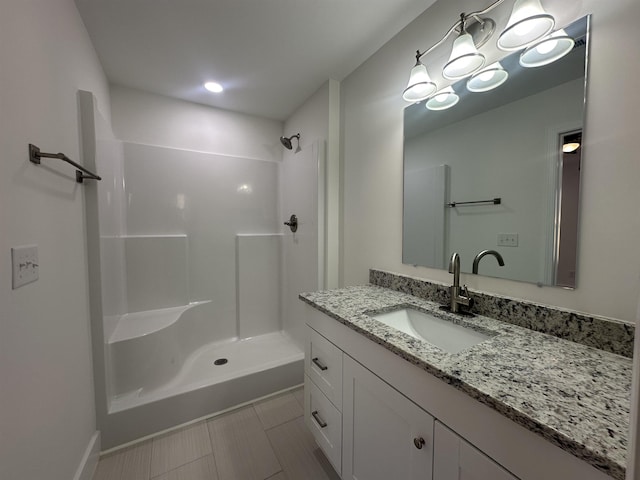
x=266 y=440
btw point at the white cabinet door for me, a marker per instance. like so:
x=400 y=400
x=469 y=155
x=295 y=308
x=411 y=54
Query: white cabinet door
x=456 y=459
x=385 y=435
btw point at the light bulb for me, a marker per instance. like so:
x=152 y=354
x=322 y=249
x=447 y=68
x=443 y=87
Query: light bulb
x=548 y=50
x=486 y=76
x=445 y=98
x=487 y=79
x=546 y=47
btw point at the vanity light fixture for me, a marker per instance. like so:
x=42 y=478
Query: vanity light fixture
x=465 y=58
x=443 y=99
x=527 y=24
x=548 y=50
x=488 y=78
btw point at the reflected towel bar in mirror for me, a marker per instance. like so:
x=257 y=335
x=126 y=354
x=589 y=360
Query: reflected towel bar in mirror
x=493 y=201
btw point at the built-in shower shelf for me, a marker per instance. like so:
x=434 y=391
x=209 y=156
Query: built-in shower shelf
x=139 y=324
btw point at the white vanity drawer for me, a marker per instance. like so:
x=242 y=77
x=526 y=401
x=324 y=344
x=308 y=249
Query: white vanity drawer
x=324 y=421
x=323 y=365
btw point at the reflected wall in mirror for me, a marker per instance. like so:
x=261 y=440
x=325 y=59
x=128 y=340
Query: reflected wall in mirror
x=505 y=143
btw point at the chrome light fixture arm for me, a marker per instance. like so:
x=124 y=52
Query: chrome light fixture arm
x=460 y=24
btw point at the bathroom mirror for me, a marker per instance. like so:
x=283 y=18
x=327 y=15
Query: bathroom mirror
x=489 y=173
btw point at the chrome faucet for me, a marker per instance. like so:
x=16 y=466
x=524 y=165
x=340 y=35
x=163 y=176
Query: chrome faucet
x=455 y=290
x=479 y=256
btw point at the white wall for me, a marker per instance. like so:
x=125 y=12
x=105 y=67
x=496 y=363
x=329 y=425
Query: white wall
x=299 y=193
x=608 y=280
x=47 y=415
x=319 y=118
x=140 y=117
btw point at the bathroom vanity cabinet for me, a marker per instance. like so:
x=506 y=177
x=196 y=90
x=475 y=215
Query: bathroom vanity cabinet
x=377 y=416
x=385 y=435
x=380 y=433
x=457 y=459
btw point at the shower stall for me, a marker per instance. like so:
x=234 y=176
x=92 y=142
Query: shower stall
x=190 y=278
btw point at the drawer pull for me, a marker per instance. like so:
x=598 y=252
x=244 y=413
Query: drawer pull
x=319 y=364
x=419 y=442
x=321 y=423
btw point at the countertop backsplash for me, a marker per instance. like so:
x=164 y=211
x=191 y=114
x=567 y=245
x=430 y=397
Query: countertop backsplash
x=598 y=332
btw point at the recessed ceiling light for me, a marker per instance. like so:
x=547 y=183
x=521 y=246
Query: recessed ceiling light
x=213 y=87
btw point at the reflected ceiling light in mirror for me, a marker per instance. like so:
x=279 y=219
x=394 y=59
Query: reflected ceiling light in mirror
x=547 y=50
x=213 y=87
x=244 y=188
x=420 y=85
x=445 y=98
x=465 y=58
x=528 y=22
x=570 y=147
x=488 y=78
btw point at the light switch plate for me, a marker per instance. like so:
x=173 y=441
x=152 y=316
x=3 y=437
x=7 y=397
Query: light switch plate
x=24 y=261
x=507 y=239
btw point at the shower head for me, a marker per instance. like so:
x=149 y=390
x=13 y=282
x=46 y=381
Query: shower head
x=286 y=142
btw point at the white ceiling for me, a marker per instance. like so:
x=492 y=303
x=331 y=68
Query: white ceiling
x=270 y=55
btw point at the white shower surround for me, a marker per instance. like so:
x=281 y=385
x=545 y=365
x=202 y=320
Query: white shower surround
x=180 y=214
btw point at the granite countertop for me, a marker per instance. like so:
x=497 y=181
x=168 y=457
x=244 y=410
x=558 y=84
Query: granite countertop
x=575 y=396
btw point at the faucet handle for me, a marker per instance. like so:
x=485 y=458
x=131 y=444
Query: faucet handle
x=465 y=298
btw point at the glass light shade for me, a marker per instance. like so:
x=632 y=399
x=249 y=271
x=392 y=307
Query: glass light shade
x=464 y=60
x=420 y=84
x=445 y=98
x=547 y=50
x=528 y=22
x=488 y=78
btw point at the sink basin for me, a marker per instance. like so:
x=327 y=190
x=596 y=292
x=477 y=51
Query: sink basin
x=444 y=334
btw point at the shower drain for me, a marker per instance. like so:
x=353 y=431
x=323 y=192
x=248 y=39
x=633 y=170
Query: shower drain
x=220 y=361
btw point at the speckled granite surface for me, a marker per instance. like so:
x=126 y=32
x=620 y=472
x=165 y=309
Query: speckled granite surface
x=575 y=396
x=605 y=334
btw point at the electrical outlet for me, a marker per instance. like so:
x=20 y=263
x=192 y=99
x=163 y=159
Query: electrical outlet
x=24 y=262
x=507 y=239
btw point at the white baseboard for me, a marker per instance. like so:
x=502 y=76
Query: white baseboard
x=90 y=459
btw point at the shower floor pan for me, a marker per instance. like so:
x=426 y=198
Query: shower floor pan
x=206 y=384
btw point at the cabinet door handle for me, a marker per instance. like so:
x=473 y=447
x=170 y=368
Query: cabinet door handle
x=419 y=442
x=319 y=364
x=321 y=423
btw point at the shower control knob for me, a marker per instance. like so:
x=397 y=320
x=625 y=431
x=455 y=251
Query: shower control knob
x=292 y=223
